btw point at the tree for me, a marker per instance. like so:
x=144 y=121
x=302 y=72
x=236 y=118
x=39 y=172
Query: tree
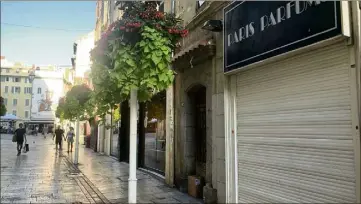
x=76 y=104
x=2 y=107
x=134 y=52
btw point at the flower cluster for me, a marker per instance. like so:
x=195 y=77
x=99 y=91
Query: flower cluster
x=130 y=27
x=137 y=50
x=146 y=14
x=182 y=32
x=136 y=16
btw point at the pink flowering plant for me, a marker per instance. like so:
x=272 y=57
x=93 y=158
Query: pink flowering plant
x=135 y=52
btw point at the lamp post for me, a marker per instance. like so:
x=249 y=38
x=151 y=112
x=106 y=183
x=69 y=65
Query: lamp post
x=31 y=80
x=76 y=158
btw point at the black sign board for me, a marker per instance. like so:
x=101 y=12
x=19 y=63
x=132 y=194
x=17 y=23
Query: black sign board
x=257 y=30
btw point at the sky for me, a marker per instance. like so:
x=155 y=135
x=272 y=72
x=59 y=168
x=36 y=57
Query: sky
x=33 y=45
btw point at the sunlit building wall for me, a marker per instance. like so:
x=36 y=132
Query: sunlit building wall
x=82 y=56
x=48 y=87
x=16 y=88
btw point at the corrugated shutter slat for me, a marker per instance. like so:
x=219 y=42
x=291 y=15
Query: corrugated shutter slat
x=294 y=130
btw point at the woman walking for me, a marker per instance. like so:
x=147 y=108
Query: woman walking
x=70 y=139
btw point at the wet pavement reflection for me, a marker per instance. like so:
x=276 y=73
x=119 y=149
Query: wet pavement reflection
x=44 y=175
x=111 y=178
x=38 y=176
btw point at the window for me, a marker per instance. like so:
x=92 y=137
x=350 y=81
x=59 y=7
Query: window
x=199 y=5
x=7 y=70
x=39 y=90
x=16 y=79
x=7 y=78
x=26 y=80
x=160 y=6
x=15 y=89
x=15 y=102
x=26 y=114
x=27 y=102
x=27 y=90
x=5 y=101
x=3 y=78
x=14 y=112
x=6 y=89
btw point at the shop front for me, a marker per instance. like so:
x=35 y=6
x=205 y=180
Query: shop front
x=35 y=127
x=291 y=103
x=91 y=130
x=154 y=133
x=150 y=132
x=114 y=137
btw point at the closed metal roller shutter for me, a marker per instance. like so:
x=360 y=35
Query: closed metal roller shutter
x=294 y=130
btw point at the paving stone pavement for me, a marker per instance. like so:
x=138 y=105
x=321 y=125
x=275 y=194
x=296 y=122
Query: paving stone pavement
x=38 y=176
x=45 y=176
x=111 y=178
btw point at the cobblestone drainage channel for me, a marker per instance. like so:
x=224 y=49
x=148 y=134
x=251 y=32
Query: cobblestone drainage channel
x=88 y=188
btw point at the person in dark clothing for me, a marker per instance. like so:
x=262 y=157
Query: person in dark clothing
x=59 y=134
x=20 y=137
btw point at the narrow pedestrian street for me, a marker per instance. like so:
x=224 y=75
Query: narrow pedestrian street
x=43 y=175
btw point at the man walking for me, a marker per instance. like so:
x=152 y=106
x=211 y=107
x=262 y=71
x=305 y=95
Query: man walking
x=70 y=138
x=20 y=137
x=59 y=133
x=36 y=130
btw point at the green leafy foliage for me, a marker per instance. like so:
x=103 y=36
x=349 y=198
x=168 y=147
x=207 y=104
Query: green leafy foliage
x=116 y=114
x=80 y=92
x=134 y=52
x=76 y=104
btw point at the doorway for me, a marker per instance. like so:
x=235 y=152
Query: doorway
x=196 y=131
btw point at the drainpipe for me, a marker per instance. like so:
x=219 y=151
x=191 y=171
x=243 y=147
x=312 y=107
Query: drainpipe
x=172 y=6
x=169 y=157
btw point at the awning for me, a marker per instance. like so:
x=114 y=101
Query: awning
x=40 y=121
x=206 y=40
x=9 y=117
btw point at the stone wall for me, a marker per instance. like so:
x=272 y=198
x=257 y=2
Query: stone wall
x=218 y=166
x=209 y=74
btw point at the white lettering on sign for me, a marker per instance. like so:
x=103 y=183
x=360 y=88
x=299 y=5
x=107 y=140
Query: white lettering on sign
x=282 y=13
x=243 y=33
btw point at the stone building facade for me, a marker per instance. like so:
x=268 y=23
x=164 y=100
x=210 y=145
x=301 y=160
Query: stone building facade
x=199 y=71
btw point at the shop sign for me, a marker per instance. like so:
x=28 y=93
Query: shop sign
x=257 y=30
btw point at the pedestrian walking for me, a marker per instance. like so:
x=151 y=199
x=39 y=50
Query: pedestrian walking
x=36 y=130
x=20 y=135
x=45 y=131
x=70 y=138
x=59 y=134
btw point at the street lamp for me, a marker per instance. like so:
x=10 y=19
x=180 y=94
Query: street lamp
x=213 y=25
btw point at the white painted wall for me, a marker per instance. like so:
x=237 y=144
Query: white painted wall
x=51 y=81
x=6 y=63
x=107 y=136
x=100 y=139
x=84 y=45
